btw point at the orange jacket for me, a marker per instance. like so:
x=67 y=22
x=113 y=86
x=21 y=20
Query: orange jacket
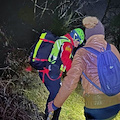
x=85 y=61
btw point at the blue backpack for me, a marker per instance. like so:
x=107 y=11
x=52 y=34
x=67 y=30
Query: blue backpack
x=108 y=71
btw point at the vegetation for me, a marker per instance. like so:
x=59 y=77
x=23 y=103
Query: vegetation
x=23 y=95
x=14 y=105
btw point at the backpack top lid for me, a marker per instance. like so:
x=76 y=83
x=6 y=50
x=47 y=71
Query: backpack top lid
x=108 y=67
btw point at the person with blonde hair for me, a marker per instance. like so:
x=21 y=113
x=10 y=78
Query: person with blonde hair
x=100 y=102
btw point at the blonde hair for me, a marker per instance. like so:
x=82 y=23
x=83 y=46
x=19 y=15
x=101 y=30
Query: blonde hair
x=90 y=22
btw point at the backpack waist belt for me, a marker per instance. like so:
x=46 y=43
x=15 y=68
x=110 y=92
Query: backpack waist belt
x=46 y=71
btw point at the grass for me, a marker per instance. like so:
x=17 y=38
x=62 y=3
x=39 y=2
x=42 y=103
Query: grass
x=73 y=108
x=38 y=94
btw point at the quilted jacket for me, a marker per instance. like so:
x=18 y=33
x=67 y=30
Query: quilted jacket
x=85 y=61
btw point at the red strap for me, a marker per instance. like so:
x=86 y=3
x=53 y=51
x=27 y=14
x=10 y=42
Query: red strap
x=56 y=78
x=37 y=59
x=28 y=69
x=45 y=40
x=69 y=37
x=46 y=71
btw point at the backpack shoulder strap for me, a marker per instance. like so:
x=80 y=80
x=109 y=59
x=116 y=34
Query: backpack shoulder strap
x=108 y=47
x=42 y=36
x=91 y=82
x=91 y=50
x=69 y=37
x=56 y=48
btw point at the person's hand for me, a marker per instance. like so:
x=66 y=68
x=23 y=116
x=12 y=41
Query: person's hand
x=51 y=107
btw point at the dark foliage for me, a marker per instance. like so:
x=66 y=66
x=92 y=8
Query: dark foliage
x=13 y=104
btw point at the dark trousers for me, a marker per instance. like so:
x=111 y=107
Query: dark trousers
x=102 y=113
x=53 y=88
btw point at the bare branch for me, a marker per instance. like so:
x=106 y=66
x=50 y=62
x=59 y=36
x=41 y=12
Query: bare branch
x=61 y=4
x=44 y=8
x=5 y=68
x=35 y=31
x=66 y=10
x=74 y=20
x=80 y=14
x=81 y=6
x=93 y=2
x=8 y=104
x=10 y=81
x=3 y=34
x=35 y=6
